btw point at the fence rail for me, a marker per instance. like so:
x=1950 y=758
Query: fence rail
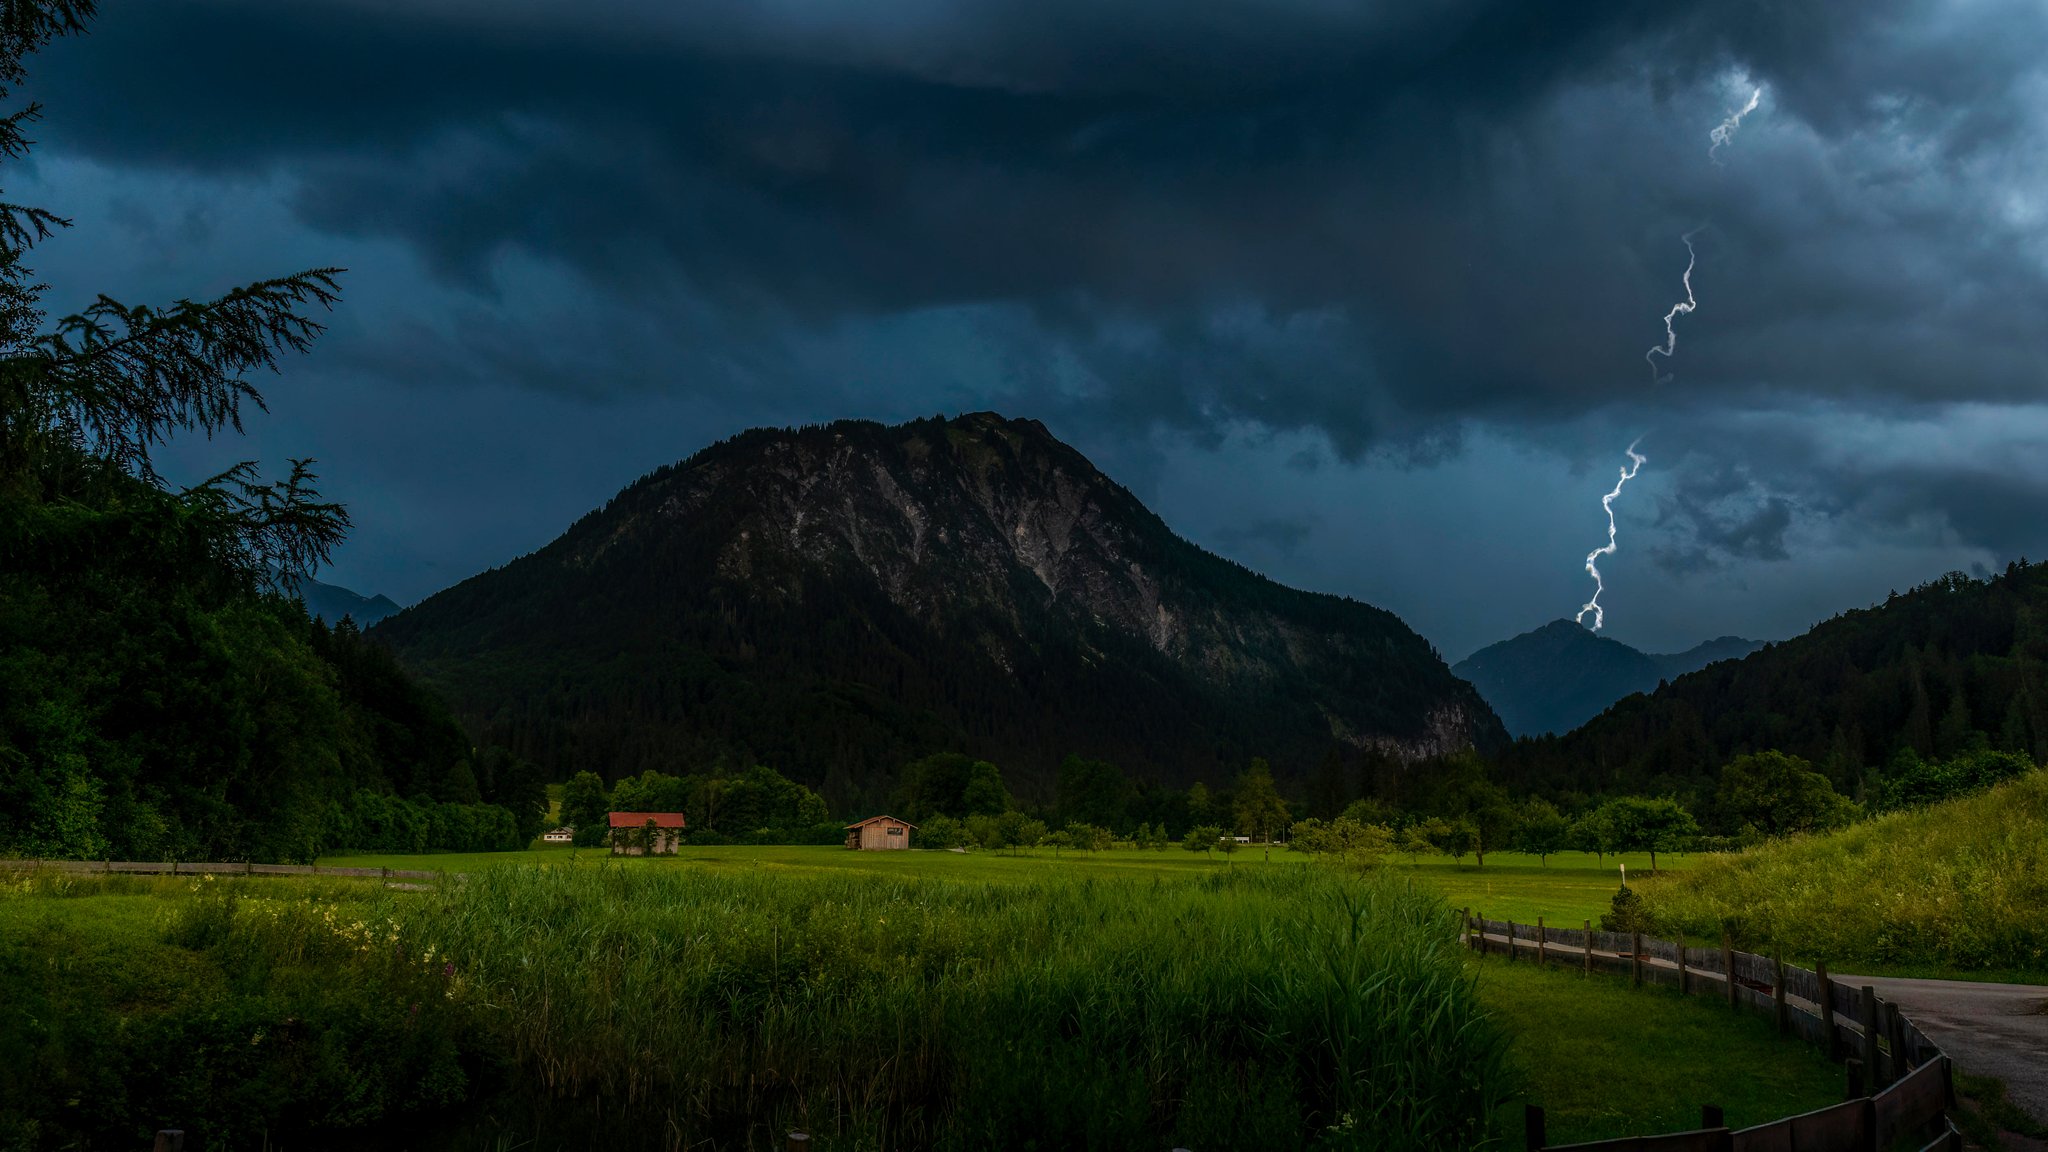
x=1901 y=1084
x=218 y=868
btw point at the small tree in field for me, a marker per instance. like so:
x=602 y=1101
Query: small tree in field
x=1202 y=838
x=1541 y=830
x=1455 y=839
x=1640 y=824
x=1419 y=839
x=1261 y=813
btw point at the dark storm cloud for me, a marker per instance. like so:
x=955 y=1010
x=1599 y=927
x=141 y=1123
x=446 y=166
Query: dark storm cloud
x=1718 y=514
x=1378 y=222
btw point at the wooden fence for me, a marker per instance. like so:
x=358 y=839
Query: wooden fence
x=182 y=868
x=1900 y=1083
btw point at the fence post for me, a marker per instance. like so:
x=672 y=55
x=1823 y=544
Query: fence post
x=1684 y=986
x=1533 y=1133
x=1855 y=1069
x=1511 y=941
x=1635 y=958
x=1586 y=956
x=1779 y=1008
x=1830 y=1040
x=1542 y=944
x=798 y=1140
x=169 y=1140
x=1728 y=964
x=1871 y=1023
x=1895 y=1039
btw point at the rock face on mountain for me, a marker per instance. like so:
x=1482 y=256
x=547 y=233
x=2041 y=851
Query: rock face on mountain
x=835 y=600
x=1559 y=676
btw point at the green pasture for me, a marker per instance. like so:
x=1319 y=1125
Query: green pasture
x=1606 y=1060
x=1567 y=889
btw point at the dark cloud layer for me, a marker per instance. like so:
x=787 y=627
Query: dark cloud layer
x=1379 y=224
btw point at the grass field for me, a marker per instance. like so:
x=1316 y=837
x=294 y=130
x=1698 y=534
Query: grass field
x=1605 y=1060
x=1567 y=889
x=148 y=977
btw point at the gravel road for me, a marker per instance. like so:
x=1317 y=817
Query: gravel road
x=1988 y=1029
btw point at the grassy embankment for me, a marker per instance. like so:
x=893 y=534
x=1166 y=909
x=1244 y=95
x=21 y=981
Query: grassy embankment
x=1955 y=889
x=1177 y=1002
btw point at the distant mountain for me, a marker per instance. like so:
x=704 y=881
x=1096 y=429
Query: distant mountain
x=1702 y=654
x=1559 y=676
x=834 y=601
x=1953 y=664
x=331 y=602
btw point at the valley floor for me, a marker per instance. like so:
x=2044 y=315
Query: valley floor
x=1566 y=889
x=1603 y=1059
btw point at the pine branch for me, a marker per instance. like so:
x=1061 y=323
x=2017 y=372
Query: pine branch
x=117 y=380
x=280 y=531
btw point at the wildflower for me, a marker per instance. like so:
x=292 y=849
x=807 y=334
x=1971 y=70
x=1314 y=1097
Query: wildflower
x=448 y=969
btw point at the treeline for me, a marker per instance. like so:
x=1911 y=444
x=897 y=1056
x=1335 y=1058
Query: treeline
x=755 y=806
x=1948 y=669
x=159 y=697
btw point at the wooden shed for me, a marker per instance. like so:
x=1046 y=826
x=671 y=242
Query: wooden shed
x=879 y=833
x=646 y=833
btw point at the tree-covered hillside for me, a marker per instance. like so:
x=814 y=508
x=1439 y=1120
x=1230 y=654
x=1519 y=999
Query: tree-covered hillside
x=1952 y=665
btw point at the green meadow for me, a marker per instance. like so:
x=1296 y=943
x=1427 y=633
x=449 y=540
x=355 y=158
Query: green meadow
x=918 y=999
x=1566 y=889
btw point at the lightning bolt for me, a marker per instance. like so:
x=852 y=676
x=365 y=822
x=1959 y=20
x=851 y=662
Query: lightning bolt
x=1725 y=131
x=1682 y=308
x=1635 y=462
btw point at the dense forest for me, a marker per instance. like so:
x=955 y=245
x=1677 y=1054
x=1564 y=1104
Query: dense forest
x=836 y=601
x=1951 y=667
x=159 y=696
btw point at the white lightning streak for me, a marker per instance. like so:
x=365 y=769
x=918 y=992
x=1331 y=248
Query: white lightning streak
x=1725 y=131
x=1635 y=462
x=1682 y=308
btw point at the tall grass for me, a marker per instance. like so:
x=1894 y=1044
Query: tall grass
x=1240 y=1011
x=1961 y=885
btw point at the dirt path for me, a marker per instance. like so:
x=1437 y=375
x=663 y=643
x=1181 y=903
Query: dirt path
x=1989 y=1029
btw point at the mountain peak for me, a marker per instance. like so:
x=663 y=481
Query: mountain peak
x=1557 y=677
x=970 y=583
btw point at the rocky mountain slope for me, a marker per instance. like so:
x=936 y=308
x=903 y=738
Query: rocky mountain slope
x=835 y=600
x=1559 y=676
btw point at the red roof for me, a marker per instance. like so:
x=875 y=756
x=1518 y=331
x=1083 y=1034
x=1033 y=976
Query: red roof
x=640 y=819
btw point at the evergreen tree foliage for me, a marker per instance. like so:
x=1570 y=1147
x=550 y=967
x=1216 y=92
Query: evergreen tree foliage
x=159 y=695
x=1955 y=665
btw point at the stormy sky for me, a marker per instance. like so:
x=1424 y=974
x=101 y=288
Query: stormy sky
x=1356 y=292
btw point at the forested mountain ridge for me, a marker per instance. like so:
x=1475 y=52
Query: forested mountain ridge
x=834 y=601
x=1954 y=664
x=1554 y=678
